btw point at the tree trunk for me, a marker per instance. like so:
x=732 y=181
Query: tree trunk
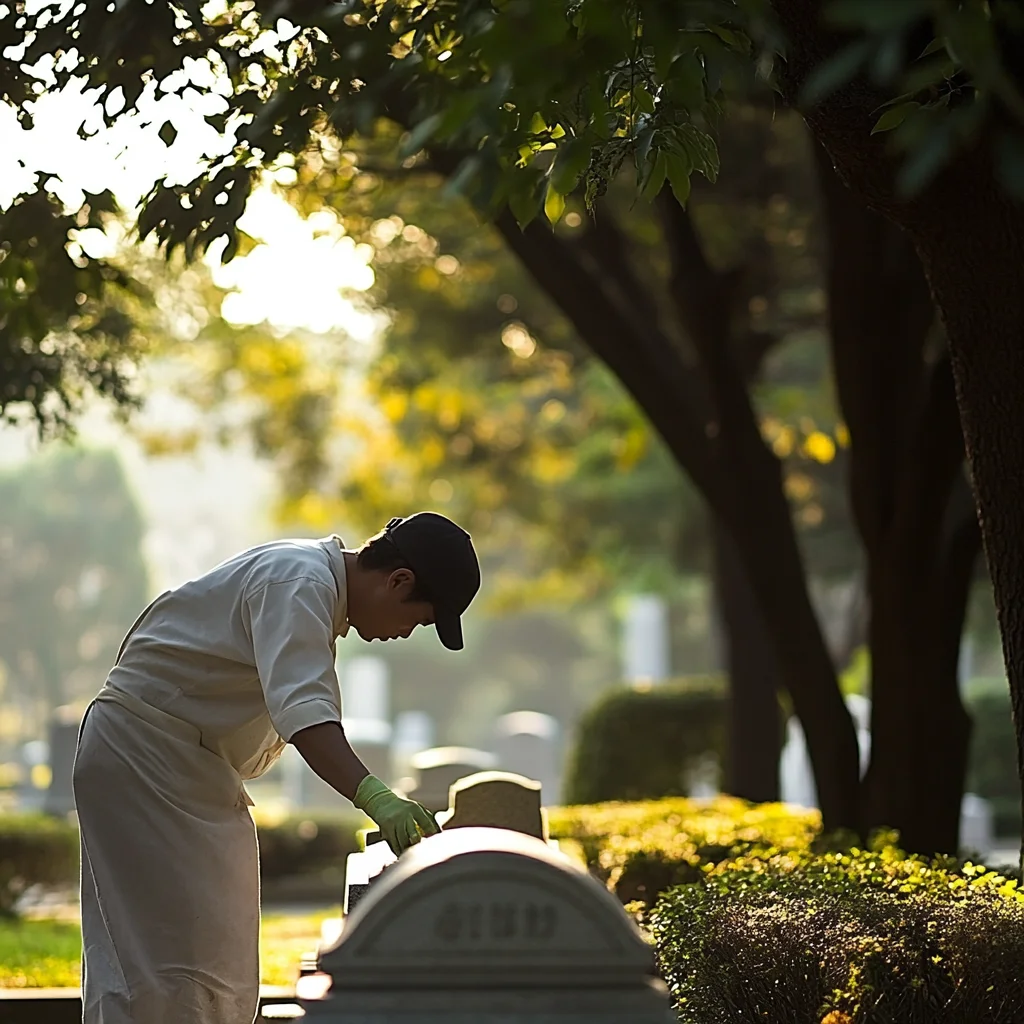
x=906 y=460
x=973 y=253
x=738 y=476
x=920 y=730
x=754 y=726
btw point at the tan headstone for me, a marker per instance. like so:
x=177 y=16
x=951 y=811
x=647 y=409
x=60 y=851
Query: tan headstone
x=496 y=800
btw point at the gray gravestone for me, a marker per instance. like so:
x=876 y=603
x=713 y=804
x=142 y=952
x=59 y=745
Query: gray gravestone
x=527 y=743
x=435 y=771
x=486 y=926
x=60 y=796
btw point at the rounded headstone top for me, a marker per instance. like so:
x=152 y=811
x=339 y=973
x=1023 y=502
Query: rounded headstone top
x=496 y=800
x=528 y=723
x=486 y=908
x=435 y=757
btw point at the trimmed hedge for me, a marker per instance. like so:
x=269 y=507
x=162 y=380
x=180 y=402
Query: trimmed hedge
x=846 y=938
x=641 y=849
x=771 y=924
x=307 y=846
x=641 y=744
x=34 y=850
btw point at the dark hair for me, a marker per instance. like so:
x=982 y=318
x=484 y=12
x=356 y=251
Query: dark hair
x=380 y=554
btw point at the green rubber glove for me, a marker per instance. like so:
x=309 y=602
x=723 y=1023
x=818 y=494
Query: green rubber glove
x=400 y=821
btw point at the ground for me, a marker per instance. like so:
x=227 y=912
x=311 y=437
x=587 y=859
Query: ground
x=45 y=953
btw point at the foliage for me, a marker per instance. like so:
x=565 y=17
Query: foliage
x=556 y=90
x=305 y=846
x=34 y=850
x=857 y=936
x=62 y=335
x=641 y=849
x=682 y=725
x=72 y=576
x=755 y=915
x=992 y=771
x=952 y=70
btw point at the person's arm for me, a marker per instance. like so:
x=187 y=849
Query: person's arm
x=326 y=750
x=290 y=624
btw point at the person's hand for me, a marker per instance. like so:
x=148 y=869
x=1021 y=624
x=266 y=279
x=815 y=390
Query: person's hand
x=402 y=822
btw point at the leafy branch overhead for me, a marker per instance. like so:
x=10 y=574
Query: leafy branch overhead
x=538 y=97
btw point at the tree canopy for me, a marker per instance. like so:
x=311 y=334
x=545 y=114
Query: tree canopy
x=72 y=575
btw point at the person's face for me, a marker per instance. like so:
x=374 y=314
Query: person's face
x=388 y=613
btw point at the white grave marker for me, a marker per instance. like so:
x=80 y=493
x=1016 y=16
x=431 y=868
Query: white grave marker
x=486 y=926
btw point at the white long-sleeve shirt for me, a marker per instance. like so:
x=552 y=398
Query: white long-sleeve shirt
x=245 y=653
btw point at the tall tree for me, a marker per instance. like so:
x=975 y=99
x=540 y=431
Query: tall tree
x=519 y=106
x=72 y=575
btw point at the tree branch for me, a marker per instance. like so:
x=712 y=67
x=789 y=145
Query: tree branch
x=647 y=364
x=608 y=245
x=704 y=300
x=880 y=316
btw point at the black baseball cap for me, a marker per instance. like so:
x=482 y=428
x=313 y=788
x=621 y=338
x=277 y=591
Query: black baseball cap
x=441 y=554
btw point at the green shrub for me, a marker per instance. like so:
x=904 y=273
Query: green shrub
x=641 y=744
x=992 y=769
x=641 y=849
x=307 y=846
x=755 y=916
x=845 y=938
x=34 y=850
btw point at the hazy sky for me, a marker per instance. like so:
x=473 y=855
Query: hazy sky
x=205 y=507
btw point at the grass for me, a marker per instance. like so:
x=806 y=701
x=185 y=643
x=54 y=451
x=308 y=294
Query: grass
x=47 y=954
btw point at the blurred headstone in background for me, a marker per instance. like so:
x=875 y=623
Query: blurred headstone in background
x=366 y=711
x=433 y=773
x=413 y=732
x=795 y=774
x=528 y=743
x=35 y=761
x=60 y=796
x=645 y=643
x=977 y=834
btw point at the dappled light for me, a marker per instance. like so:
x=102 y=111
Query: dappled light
x=485 y=482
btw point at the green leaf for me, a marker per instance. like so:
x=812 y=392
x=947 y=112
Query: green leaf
x=685 y=82
x=554 y=205
x=894 y=117
x=524 y=203
x=643 y=100
x=642 y=148
x=570 y=162
x=937 y=45
x=678 y=171
x=656 y=173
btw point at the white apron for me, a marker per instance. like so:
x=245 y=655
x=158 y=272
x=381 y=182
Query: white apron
x=210 y=682
x=170 y=873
